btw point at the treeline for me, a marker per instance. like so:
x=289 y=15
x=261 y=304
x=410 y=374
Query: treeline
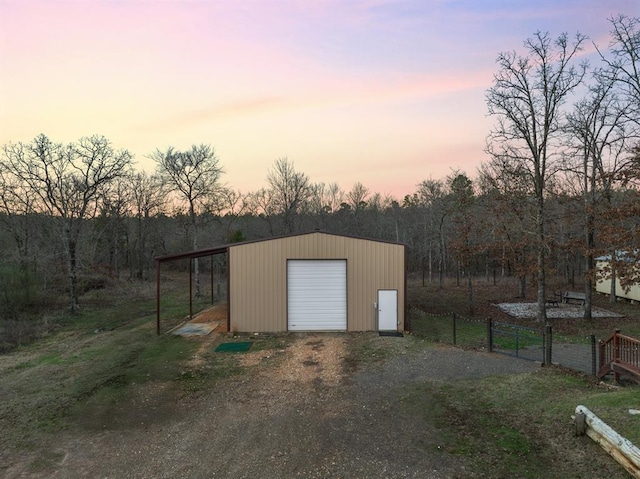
x=561 y=186
x=458 y=226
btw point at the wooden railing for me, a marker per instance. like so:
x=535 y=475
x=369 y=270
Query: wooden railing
x=620 y=355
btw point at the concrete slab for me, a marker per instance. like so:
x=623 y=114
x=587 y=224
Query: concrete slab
x=195 y=329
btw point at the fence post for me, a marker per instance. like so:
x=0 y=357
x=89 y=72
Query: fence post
x=594 y=365
x=548 y=340
x=490 y=334
x=454 y=329
x=602 y=359
x=616 y=354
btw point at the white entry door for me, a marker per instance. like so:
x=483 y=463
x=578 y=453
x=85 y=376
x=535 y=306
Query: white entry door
x=387 y=310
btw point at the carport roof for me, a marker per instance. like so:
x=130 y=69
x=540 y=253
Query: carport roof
x=193 y=254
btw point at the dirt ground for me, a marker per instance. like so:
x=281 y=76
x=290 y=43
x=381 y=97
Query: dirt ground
x=303 y=411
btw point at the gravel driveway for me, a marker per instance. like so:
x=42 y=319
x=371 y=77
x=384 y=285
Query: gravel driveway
x=306 y=414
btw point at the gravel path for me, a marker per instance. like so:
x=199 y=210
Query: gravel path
x=561 y=310
x=270 y=423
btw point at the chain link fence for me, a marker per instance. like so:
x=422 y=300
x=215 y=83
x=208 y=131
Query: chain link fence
x=448 y=329
x=529 y=343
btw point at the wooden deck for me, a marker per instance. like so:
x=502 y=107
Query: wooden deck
x=620 y=356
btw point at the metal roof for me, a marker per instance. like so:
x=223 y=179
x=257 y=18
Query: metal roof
x=225 y=248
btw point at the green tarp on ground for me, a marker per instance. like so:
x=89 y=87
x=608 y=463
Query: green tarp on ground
x=234 y=347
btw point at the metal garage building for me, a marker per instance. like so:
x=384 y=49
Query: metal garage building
x=313 y=282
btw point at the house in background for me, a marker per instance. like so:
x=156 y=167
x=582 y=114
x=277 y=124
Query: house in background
x=312 y=282
x=604 y=285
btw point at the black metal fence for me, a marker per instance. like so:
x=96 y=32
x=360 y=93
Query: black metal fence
x=514 y=340
x=449 y=329
x=534 y=344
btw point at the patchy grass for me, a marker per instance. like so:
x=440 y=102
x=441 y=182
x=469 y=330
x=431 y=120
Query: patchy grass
x=365 y=349
x=93 y=363
x=439 y=328
x=106 y=369
x=613 y=408
x=520 y=425
x=264 y=341
x=486 y=440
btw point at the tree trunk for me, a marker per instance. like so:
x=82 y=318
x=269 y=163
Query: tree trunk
x=542 y=312
x=522 y=286
x=196 y=265
x=487 y=267
x=443 y=252
x=470 y=291
x=612 y=291
x=588 y=264
x=73 y=274
x=141 y=248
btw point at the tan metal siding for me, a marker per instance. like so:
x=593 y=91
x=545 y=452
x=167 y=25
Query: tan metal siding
x=258 y=278
x=604 y=285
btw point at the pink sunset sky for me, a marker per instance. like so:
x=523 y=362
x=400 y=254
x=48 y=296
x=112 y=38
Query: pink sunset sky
x=387 y=93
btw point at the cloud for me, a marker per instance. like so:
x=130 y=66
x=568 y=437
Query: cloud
x=220 y=111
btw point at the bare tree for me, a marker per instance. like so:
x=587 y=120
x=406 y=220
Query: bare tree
x=510 y=208
x=69 y=182
x=289 y=191
x=17 y=214
x=429 y=199
x=527 y=97
x=148 y=199
x=357 y=197
x=195 y=176
x=261 y=205
x=112 y=223
x=325 y=199
x=462 y=197
x=623 y=66
x=600 y=134
x=357 y=200
x=17 y=204
x=226 y=207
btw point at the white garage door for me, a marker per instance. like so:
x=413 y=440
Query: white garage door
x=317 y=295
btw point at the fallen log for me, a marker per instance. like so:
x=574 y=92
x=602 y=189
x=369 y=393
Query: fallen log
x=620 y=448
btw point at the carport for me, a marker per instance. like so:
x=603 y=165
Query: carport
x=191 y=255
